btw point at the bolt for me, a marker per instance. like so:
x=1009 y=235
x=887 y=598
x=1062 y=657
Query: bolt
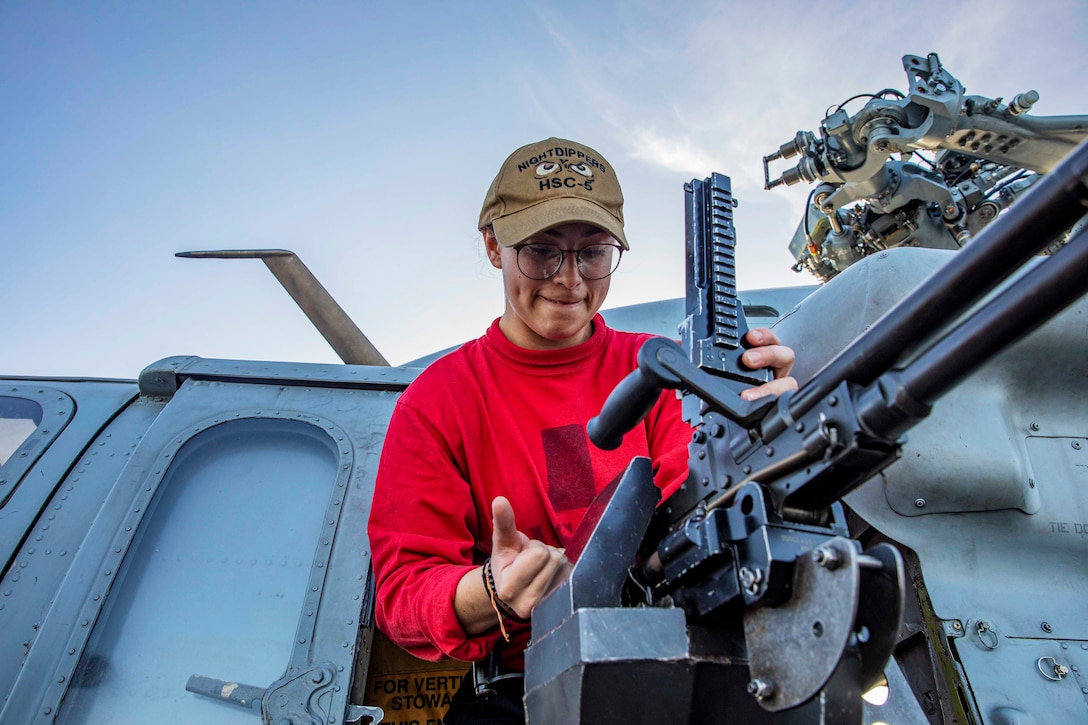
x=920 y=503
x=1076 y=445
x=1046 y=627
x=957 y=626
x=827 y=557
x=751 y=579
x=1034 y=425
x=760 y=689
x=1031 y=482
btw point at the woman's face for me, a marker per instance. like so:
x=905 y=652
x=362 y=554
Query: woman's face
x=544 y=314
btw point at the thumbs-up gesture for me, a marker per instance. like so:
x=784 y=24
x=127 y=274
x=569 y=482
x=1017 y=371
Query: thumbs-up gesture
x=525 y=570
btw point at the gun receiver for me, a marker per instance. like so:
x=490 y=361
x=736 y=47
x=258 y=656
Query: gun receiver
x=713 y=331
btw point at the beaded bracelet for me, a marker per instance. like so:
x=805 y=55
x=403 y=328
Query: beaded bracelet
x=502 y=609
x=493 y=596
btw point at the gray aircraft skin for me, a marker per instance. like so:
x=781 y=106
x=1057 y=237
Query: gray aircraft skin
x=191 y=547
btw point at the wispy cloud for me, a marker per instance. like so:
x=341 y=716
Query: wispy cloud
x=672 y=152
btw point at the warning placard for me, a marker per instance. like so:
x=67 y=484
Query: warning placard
x=411 y=691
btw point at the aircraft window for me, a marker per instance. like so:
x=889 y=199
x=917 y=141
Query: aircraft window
x=18 y=419
x=215 y=581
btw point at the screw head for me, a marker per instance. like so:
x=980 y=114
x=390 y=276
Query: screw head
x=920 y=503
x=760 y=689
x=1045 y=626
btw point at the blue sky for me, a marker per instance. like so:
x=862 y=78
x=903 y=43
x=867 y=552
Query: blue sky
x=364 y=135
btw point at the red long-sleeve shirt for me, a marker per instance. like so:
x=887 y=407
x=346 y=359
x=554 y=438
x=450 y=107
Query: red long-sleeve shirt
x=495 y=419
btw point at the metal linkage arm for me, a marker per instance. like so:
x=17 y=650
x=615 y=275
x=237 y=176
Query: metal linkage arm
x=1052 y=206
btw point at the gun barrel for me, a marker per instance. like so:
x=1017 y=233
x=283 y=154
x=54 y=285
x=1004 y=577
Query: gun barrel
x=1040 y=294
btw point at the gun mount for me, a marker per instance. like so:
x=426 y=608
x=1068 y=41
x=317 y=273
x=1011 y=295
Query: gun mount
x=747 y=593
x=961 y=161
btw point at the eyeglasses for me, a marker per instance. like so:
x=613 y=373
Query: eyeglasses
x=543 y=261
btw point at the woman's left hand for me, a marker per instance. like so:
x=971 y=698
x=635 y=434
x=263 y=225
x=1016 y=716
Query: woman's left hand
x=767 y=351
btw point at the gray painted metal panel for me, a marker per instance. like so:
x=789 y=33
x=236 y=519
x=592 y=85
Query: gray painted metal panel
x=991 y=491
x=92 y=520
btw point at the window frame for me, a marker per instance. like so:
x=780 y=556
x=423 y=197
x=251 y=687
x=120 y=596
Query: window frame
x=58 y=409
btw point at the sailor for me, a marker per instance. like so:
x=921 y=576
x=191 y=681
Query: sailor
x=486 y=470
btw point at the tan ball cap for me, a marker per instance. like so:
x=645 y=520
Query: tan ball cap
x=549 y=183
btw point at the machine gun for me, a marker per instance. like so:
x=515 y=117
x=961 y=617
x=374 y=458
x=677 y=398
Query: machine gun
x=985 y=155
x=742 y=597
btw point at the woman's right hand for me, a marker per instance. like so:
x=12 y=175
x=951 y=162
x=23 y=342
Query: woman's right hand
x=525 y=570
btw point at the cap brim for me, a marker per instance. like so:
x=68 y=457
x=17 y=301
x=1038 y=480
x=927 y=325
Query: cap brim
x=513 y=229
